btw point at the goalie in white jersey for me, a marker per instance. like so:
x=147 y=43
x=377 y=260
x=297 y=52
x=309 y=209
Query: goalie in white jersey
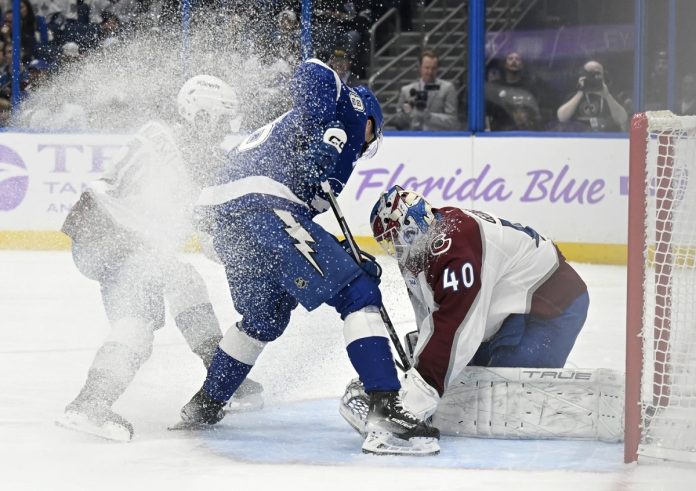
x=486 y=293
x=127 y=229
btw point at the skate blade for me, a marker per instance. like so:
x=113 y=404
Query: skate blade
x=246 y=404
x=80 y=423
x=191 y=426
x=388 y=444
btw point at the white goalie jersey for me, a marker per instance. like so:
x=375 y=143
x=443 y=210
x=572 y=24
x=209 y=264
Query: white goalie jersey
x=480 y=269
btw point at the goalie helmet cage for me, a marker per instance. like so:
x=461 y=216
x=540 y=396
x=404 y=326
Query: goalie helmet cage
x=660 y=419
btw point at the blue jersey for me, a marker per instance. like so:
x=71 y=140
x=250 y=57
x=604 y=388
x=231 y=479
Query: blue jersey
x=275 y=165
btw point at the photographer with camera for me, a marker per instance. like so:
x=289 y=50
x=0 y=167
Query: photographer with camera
x=429 y=103
x=592 y=105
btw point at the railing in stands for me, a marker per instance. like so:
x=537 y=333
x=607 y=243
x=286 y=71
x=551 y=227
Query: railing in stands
x=392 y=12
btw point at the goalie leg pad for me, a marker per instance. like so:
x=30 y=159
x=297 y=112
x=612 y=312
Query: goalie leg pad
x=528 y=403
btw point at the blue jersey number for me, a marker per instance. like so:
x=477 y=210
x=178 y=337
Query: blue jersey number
x=527 y=230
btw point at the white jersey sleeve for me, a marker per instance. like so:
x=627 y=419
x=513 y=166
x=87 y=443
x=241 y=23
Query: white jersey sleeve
x=149 y=190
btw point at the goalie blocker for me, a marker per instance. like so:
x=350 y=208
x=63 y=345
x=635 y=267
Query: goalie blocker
x=520 y=403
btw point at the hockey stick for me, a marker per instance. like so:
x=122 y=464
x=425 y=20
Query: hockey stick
x=405 y=364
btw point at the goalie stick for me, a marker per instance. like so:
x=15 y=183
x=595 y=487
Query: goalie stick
x=405 y=364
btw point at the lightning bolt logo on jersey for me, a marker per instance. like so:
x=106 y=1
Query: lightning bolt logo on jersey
x=302 y=238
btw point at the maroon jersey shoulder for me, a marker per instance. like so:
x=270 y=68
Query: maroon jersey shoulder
x=458 y=238
x=454 y=275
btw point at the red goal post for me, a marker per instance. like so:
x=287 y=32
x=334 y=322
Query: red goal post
x=660 y=418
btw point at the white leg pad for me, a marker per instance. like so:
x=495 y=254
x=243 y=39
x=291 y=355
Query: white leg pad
x=529 y=403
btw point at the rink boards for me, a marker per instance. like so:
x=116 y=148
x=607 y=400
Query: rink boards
x=571 y=189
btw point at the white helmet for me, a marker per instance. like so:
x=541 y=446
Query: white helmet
x=207 y=99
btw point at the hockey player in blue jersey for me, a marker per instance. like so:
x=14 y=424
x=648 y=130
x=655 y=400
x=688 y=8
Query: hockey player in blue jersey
x=261 y=208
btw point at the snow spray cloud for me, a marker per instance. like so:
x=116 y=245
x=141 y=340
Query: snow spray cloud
x=132 y=80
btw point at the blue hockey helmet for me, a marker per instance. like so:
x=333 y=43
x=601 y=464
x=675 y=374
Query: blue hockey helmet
x=374 y=112
x=398 y=219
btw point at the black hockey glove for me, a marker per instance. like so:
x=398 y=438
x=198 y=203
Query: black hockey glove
x=368 y=262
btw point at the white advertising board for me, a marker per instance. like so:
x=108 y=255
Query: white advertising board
x=42 y=175
x=572 y=189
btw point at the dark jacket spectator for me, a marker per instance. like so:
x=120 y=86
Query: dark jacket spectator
x=592 y=107
x=686 y=105
x=511 y=102
x=28 y=29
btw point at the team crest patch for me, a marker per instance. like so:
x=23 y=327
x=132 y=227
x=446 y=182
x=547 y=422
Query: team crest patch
x=440 y=244
x=357 y=102
x=301 y=283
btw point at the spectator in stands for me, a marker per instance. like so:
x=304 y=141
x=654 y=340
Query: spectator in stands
x=686 y=105
x=6 y=73
x=404 y=7
x=592 y=107
x=341 y=64
x=429 y=103
x=357 y=40
x=28 y=29
x=341 y=25
x=287 y=38
x=46 y=8
x=38 y=73
x=4 y=61
x=109 y=29
x=70 y=53
x=5 y=112
x=5 y=68
x=656 y=86
x=511 y=103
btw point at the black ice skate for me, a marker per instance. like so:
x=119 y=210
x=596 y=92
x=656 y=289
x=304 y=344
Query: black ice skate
x=97 y=419
x=391 y=430
x=200 y=412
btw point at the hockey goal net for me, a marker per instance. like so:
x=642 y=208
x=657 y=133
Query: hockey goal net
x=661 y=289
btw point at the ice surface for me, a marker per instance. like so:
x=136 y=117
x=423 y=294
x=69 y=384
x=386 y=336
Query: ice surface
x=52 y=322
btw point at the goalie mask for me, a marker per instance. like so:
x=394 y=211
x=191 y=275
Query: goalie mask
x=208 y=103
x=399 y=219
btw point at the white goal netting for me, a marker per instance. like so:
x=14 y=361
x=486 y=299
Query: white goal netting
x=668 y=382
